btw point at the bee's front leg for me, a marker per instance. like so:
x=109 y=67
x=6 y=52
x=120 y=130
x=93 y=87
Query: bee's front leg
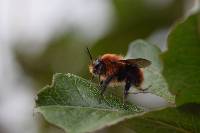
x=101 y=82
x=99 y=79
x=105 y=83
x=92 y=78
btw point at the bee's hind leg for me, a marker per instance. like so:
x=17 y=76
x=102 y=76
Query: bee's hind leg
x=141 y=90
x=144 y=90
x=126 y=89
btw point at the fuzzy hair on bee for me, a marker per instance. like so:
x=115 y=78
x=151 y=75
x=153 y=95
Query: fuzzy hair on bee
x=113 y=68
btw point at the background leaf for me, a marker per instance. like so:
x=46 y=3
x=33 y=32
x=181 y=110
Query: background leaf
x=76 y=105
x=182 y=62
x=153 y=76
x=169 y=120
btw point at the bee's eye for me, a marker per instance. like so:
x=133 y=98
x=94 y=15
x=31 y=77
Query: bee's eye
x=97 y=66
x=96 y=63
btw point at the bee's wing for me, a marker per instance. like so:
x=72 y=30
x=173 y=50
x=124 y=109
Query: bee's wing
x=140 y=62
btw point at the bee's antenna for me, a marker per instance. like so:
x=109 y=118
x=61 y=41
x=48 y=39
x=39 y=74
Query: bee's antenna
x=89 y=53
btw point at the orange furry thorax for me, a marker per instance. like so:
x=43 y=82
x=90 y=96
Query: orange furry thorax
x=109 y=60
x=111 y=57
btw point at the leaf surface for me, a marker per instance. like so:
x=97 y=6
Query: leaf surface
x=169 y=120
x=182 y=62
x=76 y=105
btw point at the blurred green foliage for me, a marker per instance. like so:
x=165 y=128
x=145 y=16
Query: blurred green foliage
x=136 y=19
x=65 y=53
x=61 y=55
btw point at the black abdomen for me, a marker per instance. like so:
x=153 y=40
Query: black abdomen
x=131 y=74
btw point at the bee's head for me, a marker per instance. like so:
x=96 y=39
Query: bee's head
x=97 y=67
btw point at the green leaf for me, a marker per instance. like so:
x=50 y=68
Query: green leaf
x=152 y=74
x=76 y=105
x=182 y=62
x=169 y=120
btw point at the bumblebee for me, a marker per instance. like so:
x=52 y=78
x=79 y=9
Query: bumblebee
x=113 y=68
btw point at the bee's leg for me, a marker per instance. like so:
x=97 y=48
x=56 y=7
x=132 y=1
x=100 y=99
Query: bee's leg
x=141 y=90
x=144 y=89
x=126 y=89
x=99 y=79
x=104 y=84
x=92 y=78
